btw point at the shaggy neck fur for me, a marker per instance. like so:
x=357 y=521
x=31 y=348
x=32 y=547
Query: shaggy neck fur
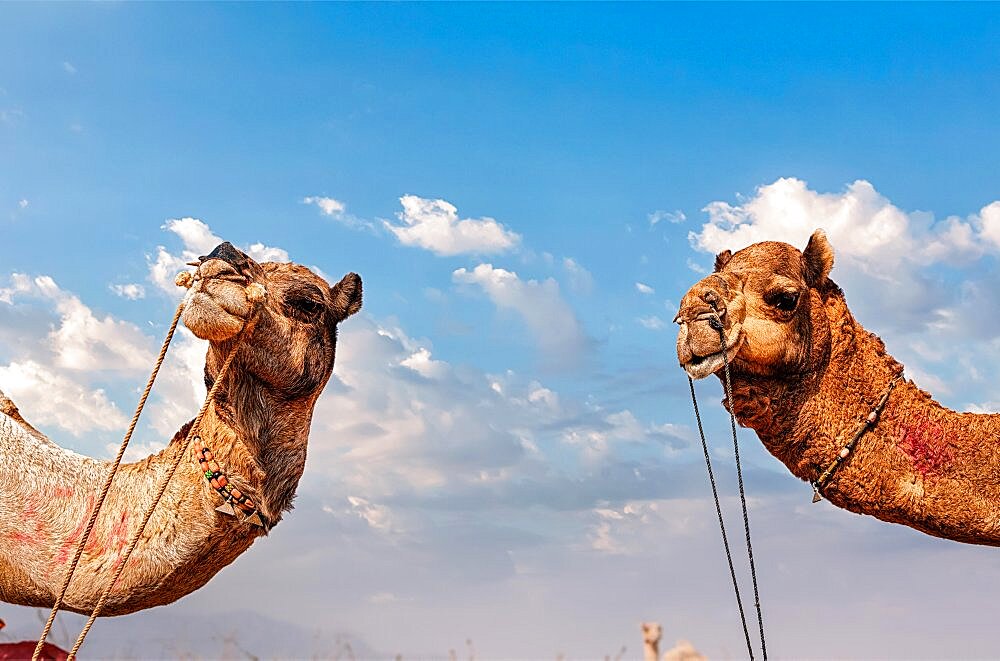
x=47 y=494
x=922 y=465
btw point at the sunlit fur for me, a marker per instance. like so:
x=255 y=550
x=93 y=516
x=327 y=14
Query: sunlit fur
x=805 y=379
x=258 y=428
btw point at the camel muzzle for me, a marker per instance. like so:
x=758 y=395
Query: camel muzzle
x=706 y=327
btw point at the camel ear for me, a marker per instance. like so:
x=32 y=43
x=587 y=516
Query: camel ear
x=817 y=259
x=346 y=296
x=722 y=259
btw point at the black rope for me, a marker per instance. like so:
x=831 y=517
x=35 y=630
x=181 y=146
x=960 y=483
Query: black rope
x=722 y=525
x=743 y=498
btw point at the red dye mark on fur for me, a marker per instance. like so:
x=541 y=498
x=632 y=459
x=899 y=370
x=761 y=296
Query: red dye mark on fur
x=119 y=534
x=74 y=537
x=62 y=492
x=21 y=539
x=31 y=526
x=925 y=443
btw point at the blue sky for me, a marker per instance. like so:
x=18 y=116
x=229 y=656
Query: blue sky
x=562 y=499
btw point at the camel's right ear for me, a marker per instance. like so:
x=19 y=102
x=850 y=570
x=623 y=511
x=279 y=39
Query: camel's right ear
x=722 y=259
x=817 y=259
x=346 y=297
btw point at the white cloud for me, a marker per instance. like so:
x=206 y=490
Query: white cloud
x=69 y=68
x=434 y=225
x=643 y=288
x=421 y=362
x=597 y=438
x=652 y=322
x=580 y=280
x=131 y=290
x=696 y=267
x=262 y=253
x=48 y=398
x=327 y=205
x=674 y=217
x=82 y=340
x=860 y=223
x=539 y=303
x=22 y=203
x=11 y=116
x=198 y=240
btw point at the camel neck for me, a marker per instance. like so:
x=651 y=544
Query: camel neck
x=790 y=414
x=262 y=440
x=921 y=464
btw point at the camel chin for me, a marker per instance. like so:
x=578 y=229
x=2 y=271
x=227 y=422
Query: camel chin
x=209 y=320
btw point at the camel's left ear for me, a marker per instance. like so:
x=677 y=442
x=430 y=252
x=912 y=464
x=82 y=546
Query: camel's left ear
x=346 y=297
x=817 y=259
x=722 y=259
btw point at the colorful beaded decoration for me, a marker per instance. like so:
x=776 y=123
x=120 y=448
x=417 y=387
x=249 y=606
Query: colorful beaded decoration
x=235 y=499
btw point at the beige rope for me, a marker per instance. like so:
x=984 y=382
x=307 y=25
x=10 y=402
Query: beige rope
x=166 y=480
x=107 y=485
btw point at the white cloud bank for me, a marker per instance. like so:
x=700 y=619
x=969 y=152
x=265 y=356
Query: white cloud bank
x=860 y=223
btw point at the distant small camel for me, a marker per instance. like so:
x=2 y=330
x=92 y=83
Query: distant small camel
x=682 y=651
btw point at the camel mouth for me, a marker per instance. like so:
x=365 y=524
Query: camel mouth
x=699 y=367
x=217 y=307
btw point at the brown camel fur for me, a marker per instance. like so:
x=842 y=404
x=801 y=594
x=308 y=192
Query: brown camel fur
x=805 y=375
x=257 y=427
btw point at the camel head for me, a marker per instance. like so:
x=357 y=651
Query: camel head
x=767 y=299
x=651 y=633
x=292 y=346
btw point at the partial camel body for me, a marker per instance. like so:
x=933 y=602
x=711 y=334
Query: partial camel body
x=258 y=429
x=805 y=376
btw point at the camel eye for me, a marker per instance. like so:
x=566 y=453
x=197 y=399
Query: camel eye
x=303 y=306
x=783 y=300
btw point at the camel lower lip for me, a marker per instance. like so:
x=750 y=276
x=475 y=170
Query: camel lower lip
x=702 y=366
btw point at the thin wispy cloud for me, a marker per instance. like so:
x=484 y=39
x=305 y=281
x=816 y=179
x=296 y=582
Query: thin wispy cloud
x=130 y=290
x=539 y=303
x=327 y=205
x=673 y=217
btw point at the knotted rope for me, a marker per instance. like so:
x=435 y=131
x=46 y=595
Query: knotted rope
x=255 y=295
x=716 y=323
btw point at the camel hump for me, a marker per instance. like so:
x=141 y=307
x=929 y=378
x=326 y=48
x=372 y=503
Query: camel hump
x=8 y=408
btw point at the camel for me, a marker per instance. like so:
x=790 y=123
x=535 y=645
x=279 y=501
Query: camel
x=651 y=633
x=254 y=436
x=682 y=651
x=807 y=377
